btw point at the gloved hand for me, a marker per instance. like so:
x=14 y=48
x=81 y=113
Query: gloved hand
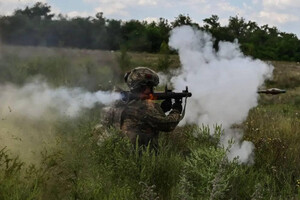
x=177 y=105
x=166 y=105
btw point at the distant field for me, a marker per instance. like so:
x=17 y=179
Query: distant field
x=72 y=166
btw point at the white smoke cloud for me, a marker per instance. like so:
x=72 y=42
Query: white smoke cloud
x=223 y=83
x=163 y=79
x=36 y=99
x=28 y=115
x=244 y=150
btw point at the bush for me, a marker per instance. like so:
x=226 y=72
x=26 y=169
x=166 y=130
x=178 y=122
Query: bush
x=15 y=183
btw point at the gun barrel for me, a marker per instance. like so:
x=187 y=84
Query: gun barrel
x=128 y=96
x=272 y=91
x=170 y=95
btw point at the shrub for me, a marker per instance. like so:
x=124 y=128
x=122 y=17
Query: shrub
x=15 y=183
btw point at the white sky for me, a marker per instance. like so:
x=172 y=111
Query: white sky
x=284 y=14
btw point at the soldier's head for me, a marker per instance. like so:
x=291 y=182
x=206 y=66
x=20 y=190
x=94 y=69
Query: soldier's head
x=141 y=80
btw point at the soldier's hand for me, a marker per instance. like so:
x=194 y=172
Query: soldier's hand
x=166 y=105
x=177 y=105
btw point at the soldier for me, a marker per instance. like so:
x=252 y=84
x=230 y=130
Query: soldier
x=143 y=119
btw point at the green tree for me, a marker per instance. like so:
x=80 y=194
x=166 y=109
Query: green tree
x=183 y=20
x=213 y=26
x=164 y=29
x=134 y=36
x=237 y=27
x=39 y=10
x=36 y=25
x=99 y=33
x=154 y=36
x=211 y=23
x=113 y=28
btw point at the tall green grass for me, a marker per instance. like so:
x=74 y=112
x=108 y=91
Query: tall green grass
x=63 y=68
x=81 y=167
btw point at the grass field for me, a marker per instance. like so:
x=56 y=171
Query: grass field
x=60 y=158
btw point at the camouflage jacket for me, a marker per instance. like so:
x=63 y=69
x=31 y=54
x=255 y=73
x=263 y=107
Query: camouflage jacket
x=141 y=118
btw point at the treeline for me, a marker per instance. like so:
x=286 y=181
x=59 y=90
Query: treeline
x=38 y=27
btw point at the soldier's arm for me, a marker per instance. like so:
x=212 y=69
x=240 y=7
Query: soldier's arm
x=155 y=116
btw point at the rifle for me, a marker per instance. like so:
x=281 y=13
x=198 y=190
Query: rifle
x=167 y=94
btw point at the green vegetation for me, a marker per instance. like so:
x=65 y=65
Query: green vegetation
x=60 y=67
x=35 y=26
x=124 y=59
x=164 y=61
x=189 y=163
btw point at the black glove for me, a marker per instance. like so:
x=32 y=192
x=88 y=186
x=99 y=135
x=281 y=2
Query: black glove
x=177 y=105
x=166 y=105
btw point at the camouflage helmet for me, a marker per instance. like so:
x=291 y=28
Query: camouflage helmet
x=141 y=76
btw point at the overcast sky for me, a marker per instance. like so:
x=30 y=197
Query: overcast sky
x=284 y=14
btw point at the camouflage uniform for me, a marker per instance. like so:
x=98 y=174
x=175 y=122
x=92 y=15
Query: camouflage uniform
x=142 y=119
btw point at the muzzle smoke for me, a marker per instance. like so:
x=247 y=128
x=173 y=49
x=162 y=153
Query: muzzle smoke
x=37 y=99
x=28 y=114
x=223 y=83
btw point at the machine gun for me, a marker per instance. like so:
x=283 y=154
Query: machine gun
x=167 y=94
x=272 y=91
